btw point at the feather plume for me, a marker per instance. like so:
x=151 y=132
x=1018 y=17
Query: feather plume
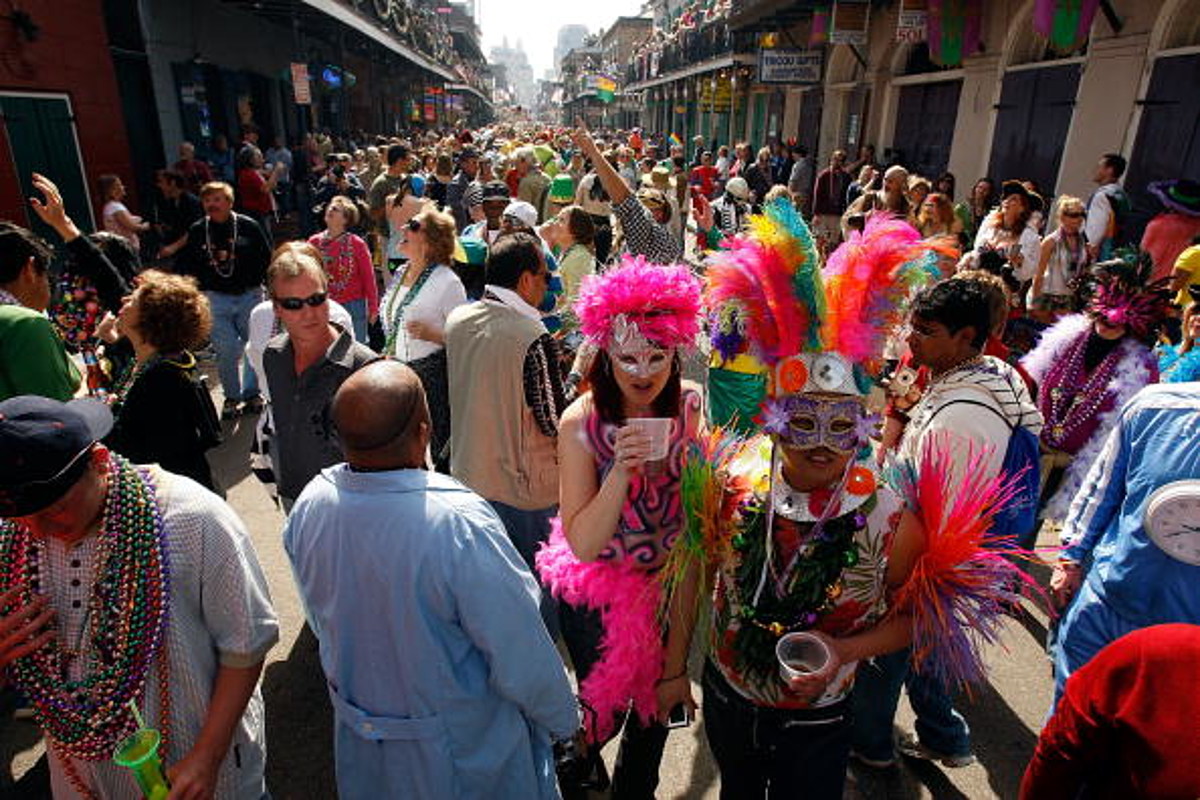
x=630 y=654
x=962 y=584
x=868 y=281
x=767 y=286
x=710 y=497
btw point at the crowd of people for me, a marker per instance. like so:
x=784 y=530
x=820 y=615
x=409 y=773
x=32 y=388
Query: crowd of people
x=520 y=386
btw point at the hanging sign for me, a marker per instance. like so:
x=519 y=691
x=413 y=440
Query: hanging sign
x=914 y=15
x=789 y=66
x=850 y=18
x=716 y=96
x=818 y=31
x=300 y=88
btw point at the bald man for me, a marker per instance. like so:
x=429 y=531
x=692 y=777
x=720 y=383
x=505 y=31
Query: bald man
x=443 y=680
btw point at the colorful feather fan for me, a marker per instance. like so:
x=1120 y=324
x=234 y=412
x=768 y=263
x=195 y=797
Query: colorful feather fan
x=764 y=290
x=710 y=497
x=962 y=584
x=868 y=280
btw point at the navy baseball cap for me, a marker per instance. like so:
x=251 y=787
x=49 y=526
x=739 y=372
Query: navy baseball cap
x=45 y=444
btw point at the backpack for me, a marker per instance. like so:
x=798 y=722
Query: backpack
x=1016 y=521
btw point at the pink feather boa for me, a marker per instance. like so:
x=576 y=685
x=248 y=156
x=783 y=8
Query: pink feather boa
x=631 y=647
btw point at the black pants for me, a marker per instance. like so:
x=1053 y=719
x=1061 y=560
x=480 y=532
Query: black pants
x=775 y=753
x=636 y=774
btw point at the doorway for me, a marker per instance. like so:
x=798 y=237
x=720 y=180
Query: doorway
x=41 y=136
x=1032 y=120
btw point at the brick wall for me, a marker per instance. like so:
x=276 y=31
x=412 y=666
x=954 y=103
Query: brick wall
x=70 y=57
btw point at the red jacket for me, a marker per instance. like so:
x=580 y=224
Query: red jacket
x=1128 y=723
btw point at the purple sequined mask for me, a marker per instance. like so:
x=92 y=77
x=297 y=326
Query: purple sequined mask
x=806 y=421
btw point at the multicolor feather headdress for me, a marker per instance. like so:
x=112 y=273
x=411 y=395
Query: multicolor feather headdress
x=663 y=303
x=766 y=295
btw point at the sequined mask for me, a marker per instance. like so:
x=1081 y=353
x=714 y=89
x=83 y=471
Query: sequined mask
x=633 y=353
x=806 y=421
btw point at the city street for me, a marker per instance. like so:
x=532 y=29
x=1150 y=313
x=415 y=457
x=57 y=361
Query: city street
x=1005 y=715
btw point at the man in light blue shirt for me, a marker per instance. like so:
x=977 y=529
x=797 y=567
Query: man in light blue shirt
x=443 y=680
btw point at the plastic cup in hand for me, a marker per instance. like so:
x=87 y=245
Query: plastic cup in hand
x=800 y=654
x=658 y=430
x=139 y=752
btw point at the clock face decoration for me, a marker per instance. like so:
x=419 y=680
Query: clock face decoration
x=830 y=372
x=1173 y=520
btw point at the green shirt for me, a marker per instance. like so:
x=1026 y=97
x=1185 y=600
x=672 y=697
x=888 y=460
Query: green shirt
x=32 y=357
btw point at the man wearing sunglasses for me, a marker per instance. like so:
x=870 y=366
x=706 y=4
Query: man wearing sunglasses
x=304 y=368
x=127 y=585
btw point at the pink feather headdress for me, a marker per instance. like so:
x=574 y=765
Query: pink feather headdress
x=663 y=302
x=1139 y=308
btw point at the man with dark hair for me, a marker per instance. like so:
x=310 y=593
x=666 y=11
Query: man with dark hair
x=432 y=561
x=175 y=210
x=468 y=169
x=1107 y=209
x=971 y=407
x=387 y=184
x=506 y=395
x=32 y=357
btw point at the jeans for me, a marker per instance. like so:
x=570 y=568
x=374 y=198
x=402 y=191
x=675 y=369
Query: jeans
x=635 y=775
x=876 y=694
x=230 y=332
x=358 y=318
x=772 y=753
x=526 y=530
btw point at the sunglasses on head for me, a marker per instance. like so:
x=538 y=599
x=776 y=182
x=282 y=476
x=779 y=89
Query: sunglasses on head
x=297 y=303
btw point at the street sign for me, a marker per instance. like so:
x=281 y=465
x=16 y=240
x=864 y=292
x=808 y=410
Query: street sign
x=300 y=88
x=789 y=66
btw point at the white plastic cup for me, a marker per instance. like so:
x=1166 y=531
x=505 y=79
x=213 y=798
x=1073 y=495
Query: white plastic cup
x=658 y=430
x=800 y=654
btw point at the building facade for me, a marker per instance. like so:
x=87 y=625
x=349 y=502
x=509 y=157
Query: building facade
x=1013 y=109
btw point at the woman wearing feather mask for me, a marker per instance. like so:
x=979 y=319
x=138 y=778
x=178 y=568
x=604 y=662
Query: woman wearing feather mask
x=1087 y=366
x=621 y=448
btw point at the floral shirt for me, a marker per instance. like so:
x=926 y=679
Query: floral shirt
x=857 y=598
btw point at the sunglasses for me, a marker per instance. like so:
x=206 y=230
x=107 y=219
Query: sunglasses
x=1073 y=214
x=414 y=225
x=297 y=303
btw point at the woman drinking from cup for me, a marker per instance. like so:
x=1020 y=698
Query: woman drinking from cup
x=621 y=449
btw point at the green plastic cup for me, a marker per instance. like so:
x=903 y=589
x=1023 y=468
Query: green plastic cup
x=139 y=753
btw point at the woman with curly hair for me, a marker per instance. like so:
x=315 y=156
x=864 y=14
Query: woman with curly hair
x=163 y=413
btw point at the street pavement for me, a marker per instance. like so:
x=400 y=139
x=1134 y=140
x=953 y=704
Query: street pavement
x=1005 y=714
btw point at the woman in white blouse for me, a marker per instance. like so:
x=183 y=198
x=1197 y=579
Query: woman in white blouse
x=414 y=312
x=1007 y=231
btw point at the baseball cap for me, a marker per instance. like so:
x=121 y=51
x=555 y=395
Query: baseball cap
x=523 y=212
x=45 y=444
x=495 y=190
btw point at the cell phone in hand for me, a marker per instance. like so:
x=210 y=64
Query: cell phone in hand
x=680 y=717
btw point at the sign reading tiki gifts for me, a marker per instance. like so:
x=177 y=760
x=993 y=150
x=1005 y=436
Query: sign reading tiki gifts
x=789 y=66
